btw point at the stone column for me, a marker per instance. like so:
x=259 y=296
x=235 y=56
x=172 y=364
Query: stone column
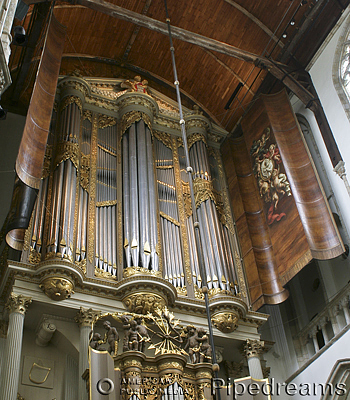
x=85 y=318
x=252 y=349
x=339 y=169
x=6 y=37
x=313 y=334
x=323 y=323
x=345 y=306
x=17 y=306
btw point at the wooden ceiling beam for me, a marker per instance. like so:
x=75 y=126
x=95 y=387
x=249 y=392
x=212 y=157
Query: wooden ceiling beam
x=256 y=21
x=279 y=70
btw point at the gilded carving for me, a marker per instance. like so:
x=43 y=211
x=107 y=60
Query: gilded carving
x=47 y=161
x=82 y=265
x=70 y=100
x=18 y=303
x=131 y=117
x=87 y=317
x=196 y=137
x=139 y=271
x=181 y=291
x=106 y=203
x=34 y=256
x=67 y=151
x=105 y=120
x=100 y=273
x=57 y=288
x=181 y=201
x=87 y=115
x=143 y=302
x=198 y=294
x=92 y=208
x=226 y=322
x=85 y=171
x=240 y=276
x=252 y=348
x=163 y=137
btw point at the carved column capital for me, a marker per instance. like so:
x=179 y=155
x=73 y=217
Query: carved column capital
x=339 y=169
x=86 y=317
x=252 y=348
x=18 y=303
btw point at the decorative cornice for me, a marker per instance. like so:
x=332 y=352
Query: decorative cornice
x=17 y=303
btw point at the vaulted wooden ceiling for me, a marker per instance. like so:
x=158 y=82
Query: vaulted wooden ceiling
x=101 y=44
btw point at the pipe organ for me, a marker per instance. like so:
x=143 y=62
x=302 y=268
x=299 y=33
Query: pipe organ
x=114 y=198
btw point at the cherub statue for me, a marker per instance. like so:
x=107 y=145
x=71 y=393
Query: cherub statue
x=205 y=350
x=133 y=336
x=192 y=344
x=126 y=326
x=112 y=338
x=136 y=85
x=95 y=341
x=143 y=334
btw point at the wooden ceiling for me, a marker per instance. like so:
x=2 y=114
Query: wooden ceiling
x=99 y=44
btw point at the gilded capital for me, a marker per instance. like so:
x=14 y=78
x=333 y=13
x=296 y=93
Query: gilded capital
x=86 y=317
x=18 y=303
x=252 y=348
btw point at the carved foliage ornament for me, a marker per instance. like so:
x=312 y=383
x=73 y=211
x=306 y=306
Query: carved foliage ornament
x=70 y=100
x=133 y=116
x=18 y=303
x=252 y=348
x=87 y=317
x=67 y=150
x=57 y=288
x=143 y=303
x=226 y=322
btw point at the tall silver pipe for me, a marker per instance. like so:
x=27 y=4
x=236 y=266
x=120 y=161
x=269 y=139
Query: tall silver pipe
x=134 y=217
x=101 y=239
x=176 y=254
x=106 y=238
x=57 y=209
x=230 y=255
x=165 y=255
x=109 y=240
x=153 y=237
x=210 y=269
x=71 y=209
x=84 y=224
x=215 y=239
x=66 y=206
x=172 y=253
x=191 y=252
x=143 y=191
x=97 y=237
x=126 y=200
x=114 y=237
x=179 y=252
x=229 y=266
x=79 y=225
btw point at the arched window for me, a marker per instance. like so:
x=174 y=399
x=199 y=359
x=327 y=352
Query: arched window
x=341 y=68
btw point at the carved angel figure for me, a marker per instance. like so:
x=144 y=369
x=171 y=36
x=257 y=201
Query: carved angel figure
x=136 y=85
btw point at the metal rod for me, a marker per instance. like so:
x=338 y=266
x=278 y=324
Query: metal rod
x=189 y=171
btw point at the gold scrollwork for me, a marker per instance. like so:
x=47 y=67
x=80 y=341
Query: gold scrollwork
x=39 y=367
x=100 y=273
x=70 y=100
x=34 y=256
x=181 y=291
x=65 y=151
x=105 y=120
x=163 y=137
x=143 y=302
x=85 y=171
x=226 y=322
x=47 y=161
x=131 y=117
x=87 y=115
x=196 y=137
x=106 y=203
x=92 y=208
x=239 y=270
x=129 y=271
